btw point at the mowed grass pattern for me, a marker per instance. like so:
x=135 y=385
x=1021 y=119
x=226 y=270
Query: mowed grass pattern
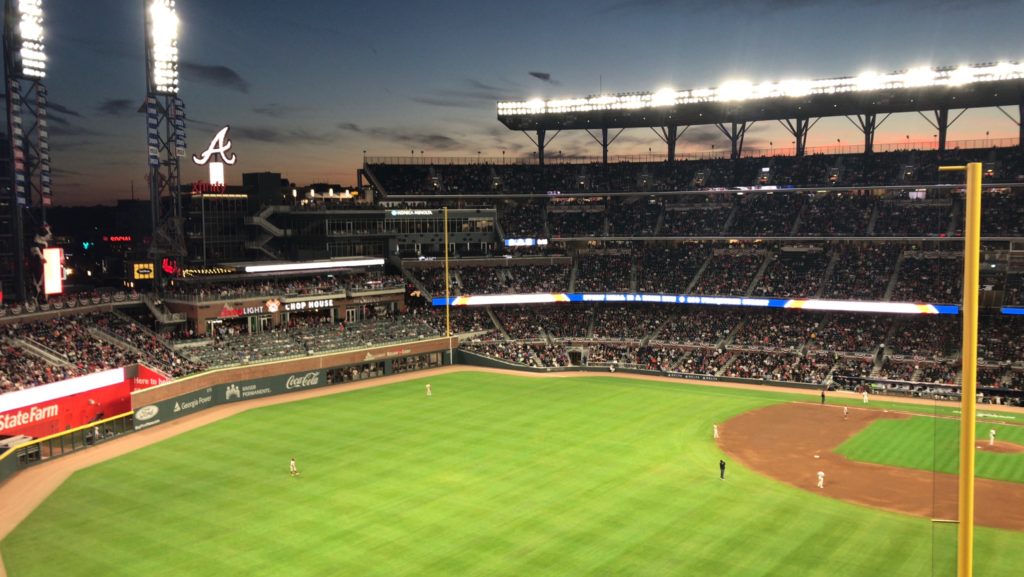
x=933 y=445
x=494 y=476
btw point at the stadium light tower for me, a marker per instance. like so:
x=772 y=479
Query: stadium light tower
x=29 y=150
x=165 y=131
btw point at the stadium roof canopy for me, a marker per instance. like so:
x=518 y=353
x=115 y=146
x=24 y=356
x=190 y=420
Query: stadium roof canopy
x=795 y=103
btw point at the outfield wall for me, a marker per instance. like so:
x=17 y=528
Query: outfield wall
x=195 y=393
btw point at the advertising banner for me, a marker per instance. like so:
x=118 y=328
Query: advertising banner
x=49 y=409
x=170 y=409
x=146 y=377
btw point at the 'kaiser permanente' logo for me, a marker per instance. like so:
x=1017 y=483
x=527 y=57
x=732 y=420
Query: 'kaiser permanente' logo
x=220 y=144
x=232 y=393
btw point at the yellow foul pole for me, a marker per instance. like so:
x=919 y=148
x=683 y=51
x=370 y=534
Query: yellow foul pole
x=447 y=291
x=969 y=357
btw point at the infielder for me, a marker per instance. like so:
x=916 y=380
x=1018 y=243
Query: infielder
x=865 y=396
x=821 y=479
x=846 y=412
x=715 y=429
x=991 y=437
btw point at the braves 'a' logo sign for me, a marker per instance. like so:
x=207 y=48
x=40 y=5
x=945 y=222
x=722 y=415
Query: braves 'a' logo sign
x=219 y=145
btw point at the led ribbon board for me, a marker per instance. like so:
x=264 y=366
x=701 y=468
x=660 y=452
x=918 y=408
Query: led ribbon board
x=805 y=304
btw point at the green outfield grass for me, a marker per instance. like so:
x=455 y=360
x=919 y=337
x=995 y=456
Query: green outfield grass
x=933 y=445
x=493 y=476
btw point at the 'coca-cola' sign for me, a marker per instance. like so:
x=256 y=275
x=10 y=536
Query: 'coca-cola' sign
x=310 y=379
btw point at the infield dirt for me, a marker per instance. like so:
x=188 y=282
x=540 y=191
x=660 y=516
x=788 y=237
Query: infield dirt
x=791 y=442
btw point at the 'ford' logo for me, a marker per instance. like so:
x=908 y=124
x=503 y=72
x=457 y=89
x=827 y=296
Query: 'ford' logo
x=146 y=413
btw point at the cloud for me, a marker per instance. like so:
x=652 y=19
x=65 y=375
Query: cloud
x=216 y=75
x=440 y=102
x=52 y=107
x=116 y=107
x=417 y=139
x=67 y=129
x=782 y=5
x=544 y=77
x=275 y=110
x=469 y=93
x=275 y=135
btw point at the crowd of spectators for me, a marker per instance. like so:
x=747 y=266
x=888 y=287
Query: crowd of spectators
x=929 y=277
x=604 y=272
x=566 y=321
x=793 y=273
x=912 y=218
x=696 y=325
x=926 y=337
x=862 y=271
x=529 y=354
x=669 y=269
x=707 y=219
x=850 y=333
x=636 y=216
x=836 y=214
x=771 y=213
x=729 y=273
x=282 y=287
x=624 y=322
x=519 y=323
x=576 y=223
x=777 y=329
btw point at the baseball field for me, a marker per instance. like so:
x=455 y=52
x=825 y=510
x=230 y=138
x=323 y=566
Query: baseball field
x=504 y=475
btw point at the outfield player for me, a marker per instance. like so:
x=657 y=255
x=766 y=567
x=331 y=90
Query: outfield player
x=715 y=429
x=821 y=479
x=429 y=393
x=292 y=468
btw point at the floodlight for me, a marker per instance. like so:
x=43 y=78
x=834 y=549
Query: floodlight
x=163 y=46
x=741 y=90
x=920 y=76
x=869 y=80
x=960 y=76
x=796 y=88
x=1004 y=71
x=664 y=97
x=735 y=90
x=30 y=51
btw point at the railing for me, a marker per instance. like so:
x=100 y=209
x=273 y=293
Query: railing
x=57 y=445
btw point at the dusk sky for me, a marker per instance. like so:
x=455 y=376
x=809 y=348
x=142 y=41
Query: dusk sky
x=308 y=86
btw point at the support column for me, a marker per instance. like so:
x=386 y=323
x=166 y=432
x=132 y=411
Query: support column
x=604 y=145
x=670 y=135
x=604 y=141
x=942 y=123
x=735 y=135
x=540 y=146
x=541 y=142
x=868 y=124
x=798 y=129
x=671 y=141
